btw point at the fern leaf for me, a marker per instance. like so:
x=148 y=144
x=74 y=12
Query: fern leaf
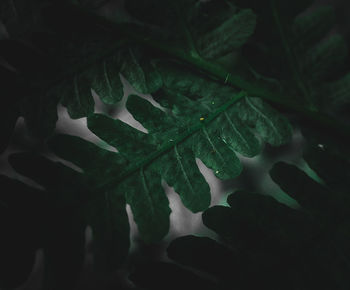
x=202 y=125
x=21 y=17
x=179 y=163
x=104 y=78
x=230 y=35
x=326 y=58
x=82 y=148
x=260 y=238
x=141 y=75
x=61 y=232
x=310 y=194
x=107 y=83
x=142 y=190
x=148 y=202
x=129 y=141
x=214 y=152
x=313 y=26
x=273 y=128
x=77 y=96
x=296 y=46
x=336 y=98
x=322 y=153
x=106 y=215
x=69 y=189
x=172 y=159
x=110 y=227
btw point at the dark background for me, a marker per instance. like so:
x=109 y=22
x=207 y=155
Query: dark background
x=90 y=280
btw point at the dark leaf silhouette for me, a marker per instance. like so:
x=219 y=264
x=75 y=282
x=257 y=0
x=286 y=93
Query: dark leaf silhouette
x=64 y=219
x=266 y=241
x=225 y=76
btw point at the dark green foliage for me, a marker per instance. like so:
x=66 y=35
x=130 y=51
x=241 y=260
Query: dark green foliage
x=323 y=153
x=230 y=35
x=297 y=47
x=70 y=207
x=29 y=221
x=21 y=17
x=222 y=73
x=280 y=247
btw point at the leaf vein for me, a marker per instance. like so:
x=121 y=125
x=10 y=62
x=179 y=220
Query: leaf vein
x=178 y=158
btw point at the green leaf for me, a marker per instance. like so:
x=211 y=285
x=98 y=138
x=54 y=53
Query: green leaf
x=71 y=191
x=140 y=74
x=179 y=162
x=77 y=97
x=237 y=136
x=214 y=152
x=76 y=149
x=211 y=150
x=312 y=27
x=272 y=127
x=66 y=186
x=148 y=202
x=142 y=190
x=58 y=229
x=39 y=108
x=107 y=82
x=212 y=135
x=336 y=98
x=205 y=254
x=310 y=194
x=152 y=118
x=21 y=17
x=180 y=171
x=130 y=142
x=110 y=228
x=229 y=36
x=295 y=47
x=107 y=214
x=261 y=237
x=328 y=157
x=326 y=58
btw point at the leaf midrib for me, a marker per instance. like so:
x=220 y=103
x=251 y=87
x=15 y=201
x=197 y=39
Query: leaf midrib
x=111 y=183
x=263 y=115
x=210 y=69
x=183 y=171
x=213 y=146
x=235 y=129
x=147 y=191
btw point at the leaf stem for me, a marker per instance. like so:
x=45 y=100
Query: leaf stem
x=219 y=73
x=112 y=182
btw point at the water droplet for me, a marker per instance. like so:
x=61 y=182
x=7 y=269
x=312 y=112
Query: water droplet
x=321 y=146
